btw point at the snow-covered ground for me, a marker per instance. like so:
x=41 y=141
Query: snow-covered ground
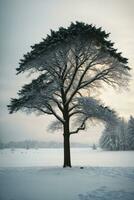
x=38 y=175
x=54 y=157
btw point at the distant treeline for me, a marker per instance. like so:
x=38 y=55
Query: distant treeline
x=119 y=136
x=28 y=144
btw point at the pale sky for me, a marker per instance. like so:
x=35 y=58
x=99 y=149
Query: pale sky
x=26 y=22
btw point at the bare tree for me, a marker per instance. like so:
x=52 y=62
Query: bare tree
x=71 y=62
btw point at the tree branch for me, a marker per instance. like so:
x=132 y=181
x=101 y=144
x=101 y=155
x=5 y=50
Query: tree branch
x=98 y=76
x=81 y=127
x=55 y=114
x=75 y=73
x=40 y=109
x=75 y=112
x=79 y=83
x=58 y=104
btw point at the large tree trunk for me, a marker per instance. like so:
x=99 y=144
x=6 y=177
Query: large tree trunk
x=66 y=136
x=67 y=157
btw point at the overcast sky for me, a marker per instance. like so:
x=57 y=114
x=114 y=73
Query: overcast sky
x=25 y=22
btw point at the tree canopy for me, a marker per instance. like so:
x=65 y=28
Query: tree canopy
x=71 y=62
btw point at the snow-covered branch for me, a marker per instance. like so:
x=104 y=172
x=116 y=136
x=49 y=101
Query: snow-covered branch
x=81 y=127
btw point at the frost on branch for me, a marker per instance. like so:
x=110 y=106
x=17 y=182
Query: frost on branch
x=93 y=108
x=36 y=96
x=89 y=108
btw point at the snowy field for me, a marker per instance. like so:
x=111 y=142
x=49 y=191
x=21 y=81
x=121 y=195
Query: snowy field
x=54 y=157
x=38 y=175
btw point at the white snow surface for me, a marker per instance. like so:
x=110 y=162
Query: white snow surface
x=54 y=157
x=38 y=175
